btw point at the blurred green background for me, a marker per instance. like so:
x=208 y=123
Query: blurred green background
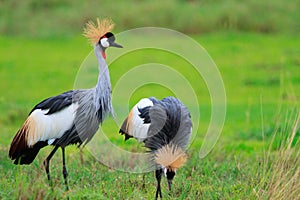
x=66 y=17
x=255 y=45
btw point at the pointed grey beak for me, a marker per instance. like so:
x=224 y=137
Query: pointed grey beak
x=170 y=184
x=113 y=44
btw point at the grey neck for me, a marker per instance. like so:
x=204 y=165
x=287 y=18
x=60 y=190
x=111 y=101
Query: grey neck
x=103 y=87
x=102 y=66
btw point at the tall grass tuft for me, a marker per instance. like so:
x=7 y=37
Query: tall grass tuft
x=281 y=170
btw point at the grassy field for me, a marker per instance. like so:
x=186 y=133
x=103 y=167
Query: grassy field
x=255 y=46
x=261 y=77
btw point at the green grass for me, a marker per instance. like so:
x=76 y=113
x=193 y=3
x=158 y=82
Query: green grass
x=261 y=76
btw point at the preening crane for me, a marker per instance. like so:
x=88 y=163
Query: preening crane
x=165 y=127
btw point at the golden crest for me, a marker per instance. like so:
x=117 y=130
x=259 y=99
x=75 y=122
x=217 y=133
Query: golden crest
x=95 y=31
x=170 y=156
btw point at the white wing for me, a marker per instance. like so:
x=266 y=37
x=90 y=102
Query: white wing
x=134 y=125
x=42 y=127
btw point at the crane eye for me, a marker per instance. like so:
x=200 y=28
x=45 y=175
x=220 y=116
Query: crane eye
x=104 y=42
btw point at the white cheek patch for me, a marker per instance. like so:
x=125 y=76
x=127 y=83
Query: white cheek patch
x=104 y=42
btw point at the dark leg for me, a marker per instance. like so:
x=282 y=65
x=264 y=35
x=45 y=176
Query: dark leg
x=47 y=163
x=65 y=173
x=158 y=173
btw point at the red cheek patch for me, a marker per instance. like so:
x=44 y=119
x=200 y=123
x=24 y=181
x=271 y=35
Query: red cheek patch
x=103 y=54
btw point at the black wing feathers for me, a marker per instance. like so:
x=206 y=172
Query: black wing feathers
x=55 y=103
x=145 y=115
x=168 y=119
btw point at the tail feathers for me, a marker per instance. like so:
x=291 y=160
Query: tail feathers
x=26 y=156
x=19 y=144
x=20 y=152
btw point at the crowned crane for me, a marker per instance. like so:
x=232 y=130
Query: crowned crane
x=165 y=127
x=72 y=117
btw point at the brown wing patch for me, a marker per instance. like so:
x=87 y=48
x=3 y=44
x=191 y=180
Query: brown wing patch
x=95 y=31
x=33 y=135
x=170 y=156
x=125 y=128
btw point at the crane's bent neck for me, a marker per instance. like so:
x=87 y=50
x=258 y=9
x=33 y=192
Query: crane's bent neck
x=103 y=87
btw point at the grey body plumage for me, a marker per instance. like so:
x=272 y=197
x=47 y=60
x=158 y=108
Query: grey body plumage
x=93 y=106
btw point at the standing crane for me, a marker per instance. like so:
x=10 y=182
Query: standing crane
x=72 y=117
x=165 y=127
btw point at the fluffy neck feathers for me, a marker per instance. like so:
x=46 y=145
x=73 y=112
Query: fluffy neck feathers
x=103 y=87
